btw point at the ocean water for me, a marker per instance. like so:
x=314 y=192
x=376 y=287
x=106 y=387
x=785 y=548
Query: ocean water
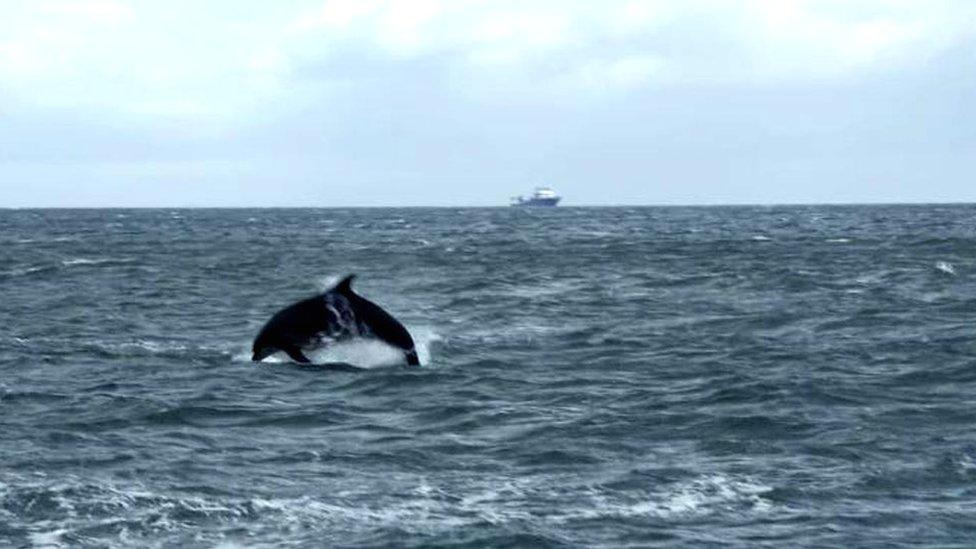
x=592 y=377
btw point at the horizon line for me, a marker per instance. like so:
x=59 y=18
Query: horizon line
x=486 y=207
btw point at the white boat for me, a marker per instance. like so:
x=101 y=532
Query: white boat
x=543 y=197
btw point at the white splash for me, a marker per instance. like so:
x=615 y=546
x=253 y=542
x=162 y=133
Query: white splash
x=424 y=337
x=365 y=353
x=372 y=353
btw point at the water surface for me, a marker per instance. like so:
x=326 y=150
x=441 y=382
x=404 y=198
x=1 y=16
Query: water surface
x=781 y=376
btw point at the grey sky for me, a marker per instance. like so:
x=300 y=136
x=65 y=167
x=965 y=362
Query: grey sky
x=448 y=102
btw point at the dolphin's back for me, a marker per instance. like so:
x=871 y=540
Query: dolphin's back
x=297 y=322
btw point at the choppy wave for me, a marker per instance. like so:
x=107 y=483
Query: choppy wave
x=70 y=510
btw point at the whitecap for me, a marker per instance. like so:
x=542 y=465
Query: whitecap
x=49 y=539
x=415 y=502
x=966 y=464
x=140 y=347
x=81 y=261
x=761 y=238
x=24 y=271
x=713 y=493
x=703 y=496
x=872 y=278
x=93 y=261
x=945 y=267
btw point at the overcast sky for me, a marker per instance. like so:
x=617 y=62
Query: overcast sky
x=450 y=102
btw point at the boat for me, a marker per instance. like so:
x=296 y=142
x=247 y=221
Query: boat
x=542 y=197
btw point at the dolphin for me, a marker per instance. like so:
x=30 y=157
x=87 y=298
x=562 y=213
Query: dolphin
x=337 y=315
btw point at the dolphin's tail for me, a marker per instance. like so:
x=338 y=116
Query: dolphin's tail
x=412 y=359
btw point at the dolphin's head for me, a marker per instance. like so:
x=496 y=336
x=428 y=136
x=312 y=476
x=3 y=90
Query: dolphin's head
x=261 y=349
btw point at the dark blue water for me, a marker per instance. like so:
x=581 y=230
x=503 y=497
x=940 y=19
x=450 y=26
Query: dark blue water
x=785 y=376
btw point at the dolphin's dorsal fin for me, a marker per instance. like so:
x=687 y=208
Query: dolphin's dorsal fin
x=345 y=285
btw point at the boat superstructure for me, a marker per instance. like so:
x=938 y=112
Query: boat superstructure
x=543 y=196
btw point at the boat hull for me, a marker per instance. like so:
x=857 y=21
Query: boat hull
x=538 y=202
